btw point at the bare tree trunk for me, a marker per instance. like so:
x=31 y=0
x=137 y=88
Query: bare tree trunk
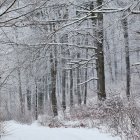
x=100 y=56
x=115 y=58
x=53 y=84
x=22 y=103
x=71 y=87
x=36 y=102
x=78 y=81
x=85 y=96
x=64 y=39
x=127 y=58
x=110 y=60
x=20 y=93
x=64 y=89
x=28 y=99
x=40 y=102
x=63 y=79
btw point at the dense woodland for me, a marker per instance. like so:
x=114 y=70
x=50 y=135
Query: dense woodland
x=69 y=57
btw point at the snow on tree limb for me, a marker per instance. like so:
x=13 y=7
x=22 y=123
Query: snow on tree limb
x=93 y=78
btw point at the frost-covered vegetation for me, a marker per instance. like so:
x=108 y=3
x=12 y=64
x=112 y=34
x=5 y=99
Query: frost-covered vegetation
x=71 y=63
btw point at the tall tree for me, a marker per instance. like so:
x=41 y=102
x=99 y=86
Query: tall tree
x=36 y=99
x=78 y=82
x=53 y=61
x=127 y=57
x=63 y=82
x=86 y=76
x=100 y=54
x=71 y=87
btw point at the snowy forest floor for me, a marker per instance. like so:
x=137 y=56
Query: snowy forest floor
x=36 y=132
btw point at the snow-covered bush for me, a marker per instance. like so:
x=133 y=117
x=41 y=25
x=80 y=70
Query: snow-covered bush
x=50 y=121
x=119 y=116
x=2 y=129
x=44 y=120
x=2 y=126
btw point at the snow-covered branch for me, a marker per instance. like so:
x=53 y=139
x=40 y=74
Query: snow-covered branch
x=93 y=78
x=74 y=45
x=135 y=12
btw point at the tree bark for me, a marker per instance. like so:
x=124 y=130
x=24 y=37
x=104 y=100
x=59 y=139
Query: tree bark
x=71 y=87
x=64 y=89
x=85 y=92
x=78 y=81
x=127 y=58
x=36 y=100
x=28 y=99
x=100 y=56
x=20 y=93
x=53 y=82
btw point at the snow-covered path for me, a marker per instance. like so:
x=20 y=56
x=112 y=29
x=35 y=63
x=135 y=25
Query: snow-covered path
x=35 y=132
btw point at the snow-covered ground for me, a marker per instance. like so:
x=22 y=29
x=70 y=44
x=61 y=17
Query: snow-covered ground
x=36 y=132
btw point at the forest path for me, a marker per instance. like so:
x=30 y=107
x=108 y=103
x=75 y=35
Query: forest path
x=35 y=132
